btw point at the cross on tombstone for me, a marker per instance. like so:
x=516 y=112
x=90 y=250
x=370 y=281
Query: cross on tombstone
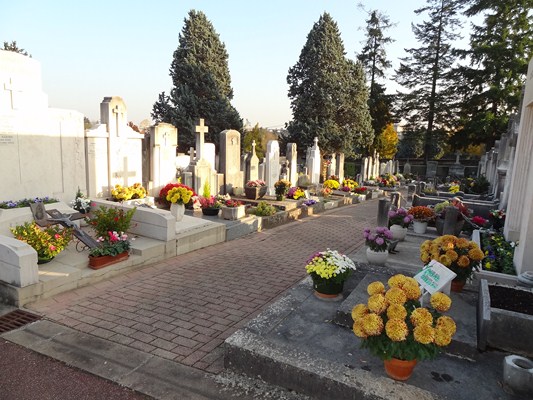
x=253 y=146
x=125 y=173
x=201 y=129
x=9 y=86
x=118 y=110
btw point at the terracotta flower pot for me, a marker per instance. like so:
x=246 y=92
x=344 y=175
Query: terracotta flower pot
x=326 y=288
x=255 y=193
x=400 y=370
x=457 y=285
x=97 y=262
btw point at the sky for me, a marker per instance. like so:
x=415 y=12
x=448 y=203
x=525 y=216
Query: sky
x=89 y=50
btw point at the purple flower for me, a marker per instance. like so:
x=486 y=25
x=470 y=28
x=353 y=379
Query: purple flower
x=371 y=237
x=380 y=229
x=406 y=220
x=388 y=234
x=366 y=234
x=392 y=214
x=379 y=241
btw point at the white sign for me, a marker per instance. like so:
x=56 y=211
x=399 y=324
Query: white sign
x=434 y=276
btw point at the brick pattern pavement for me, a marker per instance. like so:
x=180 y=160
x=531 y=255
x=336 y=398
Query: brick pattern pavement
x=185 y=307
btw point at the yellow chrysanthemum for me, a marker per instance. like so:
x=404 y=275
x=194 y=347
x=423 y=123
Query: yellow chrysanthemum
x=445 y=260
x=396 y=311
x=440 y=302
x=425 y=245
x=462 y=243
x=424 y=334
x=377 y=303
x=395 y=295
x=358 y=329
x=476 y=254
x=396 y=329
x=446 y=324
x=359 y=311
x=421 y=316
x=375 y=287
x=442 y=338
x=448 y=239
x=463 y=261
x=434 y=248
x=372 y=324
x=425 y=257
x=396 y=280
x=452 y=255
x=412 y=290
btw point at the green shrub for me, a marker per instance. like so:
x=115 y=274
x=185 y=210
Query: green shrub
x=263 y=209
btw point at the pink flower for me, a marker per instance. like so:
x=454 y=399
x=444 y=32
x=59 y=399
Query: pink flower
x=57 y=235
x=379 y=241
x=52 y=247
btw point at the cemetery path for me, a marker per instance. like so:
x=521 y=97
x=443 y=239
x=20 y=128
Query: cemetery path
x=183 y=308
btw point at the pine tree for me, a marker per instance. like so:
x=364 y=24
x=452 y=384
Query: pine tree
x=328 y=94
x=202 y=84
x=490 y=86
x=426 y=72
x=374 y=59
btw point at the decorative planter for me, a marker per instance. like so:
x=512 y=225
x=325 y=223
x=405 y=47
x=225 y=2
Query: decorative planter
x=233 y=213
x=376 y=257
x=177 y=210
x=398 y=232
x=255 y=193
x=280 y=197
x=44 y=260
x=326 y=288
x=419 y=226
x=210 y=211
x=457 y=285
x=400 y=370
x=104 y=261
x=439 y=224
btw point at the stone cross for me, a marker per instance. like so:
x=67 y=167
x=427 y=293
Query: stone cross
x=125 y=173
x=119 y=111
x=201 y=129
x=9 y=86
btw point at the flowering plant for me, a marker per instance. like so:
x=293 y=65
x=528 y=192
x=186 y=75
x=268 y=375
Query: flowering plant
x=331 y=184
x=233 y=203
x=179 y=195
x=460 y=255
x=209 y=202
x=47 y=242
x=309 y=202
x=499 y=253
x=110 y=219
x=295 y=193
x=440 y=208
x=81 y=203
x=378 y=241
x=330 y=265
x=350 y=183
x=422 y=213
x=401 y=217
x=111 y=244
x=454 y=188
x=164 y=191
x=256 y=183
x=394 y=325
x=480 y=221
x=26 y=202
x=387 y=180
x=282 y=187
x=137 y=191
x=325 y=192
x=497 y=214
x=361 y=190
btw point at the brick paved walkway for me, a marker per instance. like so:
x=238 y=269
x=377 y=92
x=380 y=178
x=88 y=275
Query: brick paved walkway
x=185 y=307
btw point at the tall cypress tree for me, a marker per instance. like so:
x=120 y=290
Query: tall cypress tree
x=328 y=94
x=202 y=84
x=426 y=72
x=490 y=86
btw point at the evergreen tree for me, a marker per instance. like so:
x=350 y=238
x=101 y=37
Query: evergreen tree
x=374 y=59
x=261 y=136
x=426 y=74
x=202 y=84
x=328 y=94
x=490 y=86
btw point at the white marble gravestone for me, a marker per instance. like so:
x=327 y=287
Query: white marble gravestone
x=202 y=170
x=339 y=170
x=209 y=154
x=292 y=158
x=252 y=167
x=230 y=160
x=313 y=163
x=272 y=165
x=163 y=142
x=42 y=151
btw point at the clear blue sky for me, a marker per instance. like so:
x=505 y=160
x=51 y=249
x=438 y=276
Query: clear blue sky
x=92 y=49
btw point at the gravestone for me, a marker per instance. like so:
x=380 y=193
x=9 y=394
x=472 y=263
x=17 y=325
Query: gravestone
x=114 y=150
x=252 y=165
x=382 y=168
x=292 y=158
x=332 y=166
x=509 y=159
x=230 y=160
x=210 y=155
x=407 y=168
x=272 y=165
x=375 y=164
x=313 y=163
x=457 y=169
x=431 y=169
x=364 y=170
x=42 y=150
x=163 y=142
x=339 y=170
x=202 y=171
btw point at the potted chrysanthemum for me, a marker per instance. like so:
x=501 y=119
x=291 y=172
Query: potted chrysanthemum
x=329 y=270
x=421 y=216
x=378 y=243
x=396 y=328
x=399 y=220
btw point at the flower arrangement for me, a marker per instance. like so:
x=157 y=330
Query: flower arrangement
x=331 y=184
x=47 y=242
x=387 y=180
x=110 y=219
x=454 y=188
x=233 y=203
x=349 y=183
x=421 y=213
x=499 y=253
x=361 y=190
x=26 y=202
x=440 y=208
x=120 y=193
x=497 y=214
x=282 y=187
x=460 y=255
x=393 y=324
x=309 y=202
x=81 y=203
x=256 y=183
x=209 y=202
x=325 y=192
x=379 y=240
x=164 y=191
x=295 y=193
x=111 y=244
x=330 y=265
x=179 y=195
x=401 y=217
x=479 y=221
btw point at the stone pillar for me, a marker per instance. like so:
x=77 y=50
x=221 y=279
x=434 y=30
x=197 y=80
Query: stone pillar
x=272 y=165
x=339 y=171
x=450 y=221
x=383 y=212
x=292 y=158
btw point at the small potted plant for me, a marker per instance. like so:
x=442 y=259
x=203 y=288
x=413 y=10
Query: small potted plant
x=81 y=203
x=440 y=211
x=421 y=216
x=497 y=217
x=295 y=193
x=378 y=243
x=233 y=209
x=209 y=204
x=326 y=192
x=460 y=255
x=110 y=226
x=282 y=188
x=162 y=199
x=178 y=197
x=47 y=242
x=329 y=270
x=120 y=193
x=396 y=328
x=331 y=184
x=255 y=189
x=399 y=220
